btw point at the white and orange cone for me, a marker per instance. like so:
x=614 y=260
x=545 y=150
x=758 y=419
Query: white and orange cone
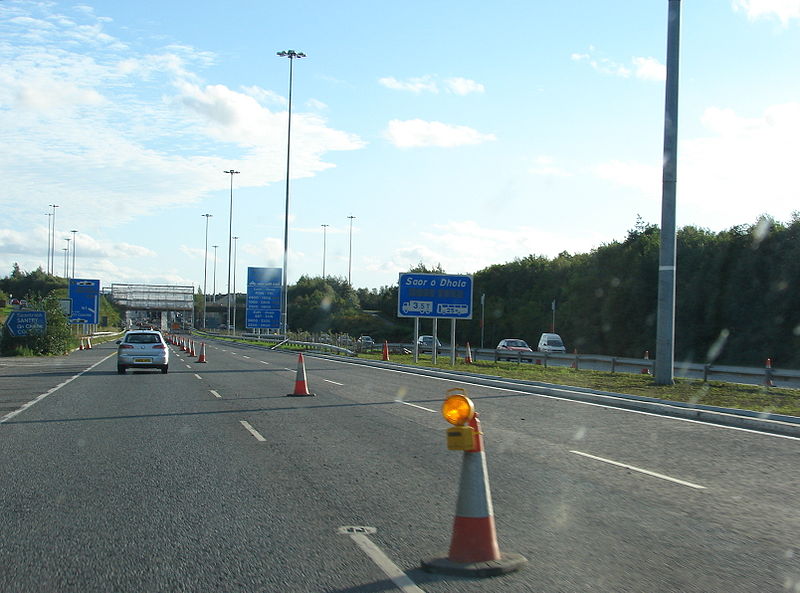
x=202 y=357
x=473 y=548
x=768 y=374
x=468 y=356
x=385 y=350
x=646 y=370
x=300 y=383
x=89 y=342
x=81 y=346
x=191 y=348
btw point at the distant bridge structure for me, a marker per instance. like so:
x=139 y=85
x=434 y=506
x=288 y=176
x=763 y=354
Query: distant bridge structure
x=160 y=304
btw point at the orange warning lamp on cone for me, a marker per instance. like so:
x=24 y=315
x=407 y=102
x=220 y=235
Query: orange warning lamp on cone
x=474 y=550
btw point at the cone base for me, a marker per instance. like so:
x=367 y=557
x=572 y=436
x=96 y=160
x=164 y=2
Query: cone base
x=301 y=395
x=491 y=568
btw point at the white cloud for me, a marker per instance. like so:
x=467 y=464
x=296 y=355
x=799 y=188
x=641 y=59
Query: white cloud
x=650 y=69
x=545 y=166
x=463 y=86
x=784 y=10
x=417 y=132
x=641 y=68
x=428 y=84
x=645 y=178
x=414 y=85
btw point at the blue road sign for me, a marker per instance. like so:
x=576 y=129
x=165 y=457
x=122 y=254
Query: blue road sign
x=264 y=291
x=26 y=323
x=435 y=295
x=85 y=295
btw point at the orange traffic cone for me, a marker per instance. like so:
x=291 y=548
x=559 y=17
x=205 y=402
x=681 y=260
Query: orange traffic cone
x=385 y=350
x=81 y=347
x=300 y=383
x=646 y=370
x=473 y=547
x=468 y=357
x=191 y=348
x=89 y=342
x=768 y=374
x=202 y=357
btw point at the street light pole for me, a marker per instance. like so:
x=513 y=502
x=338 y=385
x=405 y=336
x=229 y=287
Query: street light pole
x=665 y=323
x=205 y=271
x=350 y=259
x=230 y=246
x=52 y=269
x=215 y=273
x=66 y=258
x=292 y=55
x=49 y=216
x=235 y=249
x=324 y=246
x=74 y=245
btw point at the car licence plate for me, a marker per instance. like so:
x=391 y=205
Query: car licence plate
x=142 y=360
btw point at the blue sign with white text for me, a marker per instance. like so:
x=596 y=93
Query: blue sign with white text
x=85 y=295
x=435 y=295
x=26 y=323
x=264 y=292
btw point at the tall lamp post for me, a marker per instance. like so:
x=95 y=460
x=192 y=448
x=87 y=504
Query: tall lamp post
x=292 y=55
x=205 y=271
x=665 y=324
x=235 y=249
x=52 y=269
x=49 y=216
x=324 y=246
x=66 y=259
x=350 y=258
x=215 y=272
x=74 y=244
x=230 y=246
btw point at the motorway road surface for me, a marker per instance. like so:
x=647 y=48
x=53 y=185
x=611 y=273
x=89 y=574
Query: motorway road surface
x=210 y=479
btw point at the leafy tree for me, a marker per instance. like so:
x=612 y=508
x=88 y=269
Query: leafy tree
x=56 y=339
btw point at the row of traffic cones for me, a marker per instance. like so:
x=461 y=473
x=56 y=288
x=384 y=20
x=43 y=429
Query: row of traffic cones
x=86 y=343
x=188 y=346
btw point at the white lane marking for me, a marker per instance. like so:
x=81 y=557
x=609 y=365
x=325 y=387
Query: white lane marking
x=198 y=376
x=466 y=381
x=39 y=398
x=245 y=356
x=382 y=561
x=188 y=366
x=252 y=430
x=214 y=393
x=400 y=401
x=334 y=382
x=640 y=470
x=288 y=369
x=263 y=362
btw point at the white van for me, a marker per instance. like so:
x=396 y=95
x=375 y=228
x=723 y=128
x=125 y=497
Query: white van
x=551 y=343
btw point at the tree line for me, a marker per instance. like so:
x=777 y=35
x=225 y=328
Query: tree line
x=737 y=298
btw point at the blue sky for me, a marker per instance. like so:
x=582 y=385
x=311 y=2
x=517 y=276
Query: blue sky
x=462 y=133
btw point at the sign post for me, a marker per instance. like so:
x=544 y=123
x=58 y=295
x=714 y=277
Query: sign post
x=264 y=290
x=85 y=295
x=26 y=323
x=437 y=296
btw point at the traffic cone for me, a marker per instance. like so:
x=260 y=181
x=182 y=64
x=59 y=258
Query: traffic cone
x=385 y=350
x=468 y=357
x=202 y=357
x=300 y=383
x=646 y=370
x=88 y=342
x=473 y=548
x=768 y=374
x=191 y=348
x=81 y=347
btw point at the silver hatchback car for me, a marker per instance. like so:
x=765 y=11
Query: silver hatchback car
x=142 y=349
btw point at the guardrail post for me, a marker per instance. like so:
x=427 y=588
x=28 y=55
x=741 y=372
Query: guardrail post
x=519 y=357
x=613 y=364
x=545 y=360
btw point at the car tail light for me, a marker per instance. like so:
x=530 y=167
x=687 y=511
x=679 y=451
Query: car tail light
x=125 y=346
x=159 y=346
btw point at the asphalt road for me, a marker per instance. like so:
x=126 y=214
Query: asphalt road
x=210 y=479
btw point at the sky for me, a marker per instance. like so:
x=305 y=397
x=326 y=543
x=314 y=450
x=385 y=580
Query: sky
x=459 y=134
